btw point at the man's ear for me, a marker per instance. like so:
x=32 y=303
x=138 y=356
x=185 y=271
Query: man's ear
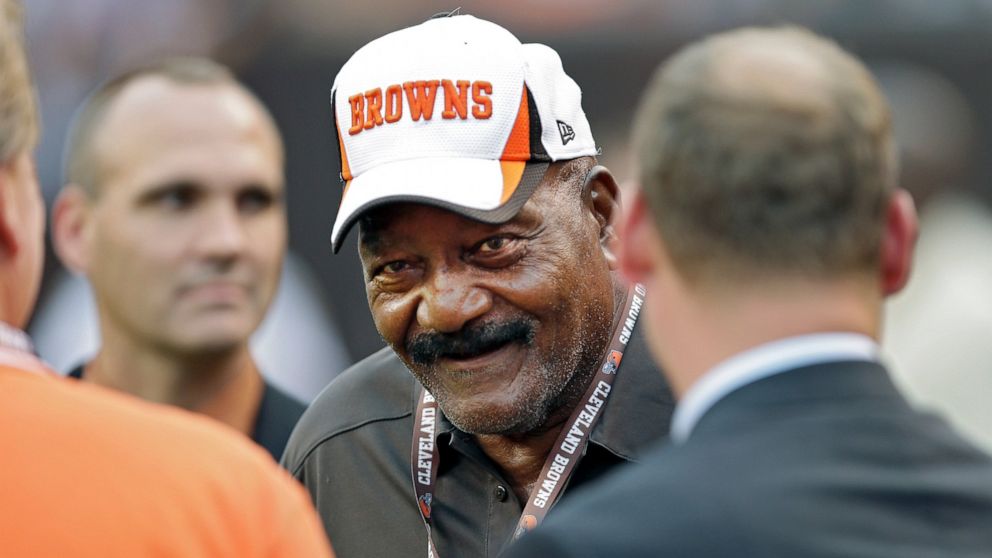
x=898 y=241
x=602 y=195
x=9 y=242
x=637 y=240
x=70 y=219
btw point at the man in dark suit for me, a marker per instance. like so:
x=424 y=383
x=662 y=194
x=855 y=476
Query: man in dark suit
x=768 y=229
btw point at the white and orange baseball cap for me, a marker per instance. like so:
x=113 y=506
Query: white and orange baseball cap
x=455 y=113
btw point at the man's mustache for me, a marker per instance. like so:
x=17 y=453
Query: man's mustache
x=426 y=348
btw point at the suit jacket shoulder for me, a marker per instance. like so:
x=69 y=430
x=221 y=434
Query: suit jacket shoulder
x=825 y=460
x=634 y=512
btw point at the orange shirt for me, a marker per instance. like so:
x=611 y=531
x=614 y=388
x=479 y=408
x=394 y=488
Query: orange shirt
x=88 y=473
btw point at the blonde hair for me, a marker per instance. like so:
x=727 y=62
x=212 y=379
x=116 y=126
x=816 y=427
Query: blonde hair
x=18 y=105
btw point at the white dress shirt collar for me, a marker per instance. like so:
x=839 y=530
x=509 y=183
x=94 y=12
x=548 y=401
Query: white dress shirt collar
x=15 y=339
x=763 y=361
x=16 y=351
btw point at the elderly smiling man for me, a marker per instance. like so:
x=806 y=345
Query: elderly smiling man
x=484 y=231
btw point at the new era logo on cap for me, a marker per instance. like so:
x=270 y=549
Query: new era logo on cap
x=566 y=131
x=454 y=112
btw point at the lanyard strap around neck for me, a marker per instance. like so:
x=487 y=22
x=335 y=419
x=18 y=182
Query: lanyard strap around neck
x=568 y=449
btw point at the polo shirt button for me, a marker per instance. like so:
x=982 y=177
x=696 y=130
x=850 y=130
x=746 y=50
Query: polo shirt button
x=500 y=493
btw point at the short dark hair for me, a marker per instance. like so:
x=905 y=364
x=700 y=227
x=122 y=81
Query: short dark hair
x=81 y=166
x=18 y=105
x=742 y=183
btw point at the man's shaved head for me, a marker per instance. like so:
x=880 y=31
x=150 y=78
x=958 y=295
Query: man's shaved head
x=83 y=153
x=766 y=151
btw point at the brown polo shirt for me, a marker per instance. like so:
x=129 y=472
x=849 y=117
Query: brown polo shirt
x=351 y=450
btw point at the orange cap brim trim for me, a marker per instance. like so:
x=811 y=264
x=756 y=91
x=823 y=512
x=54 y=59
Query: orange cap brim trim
x=512 y=171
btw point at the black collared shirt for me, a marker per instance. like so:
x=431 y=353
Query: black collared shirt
x=351 y=450
x=277 y=415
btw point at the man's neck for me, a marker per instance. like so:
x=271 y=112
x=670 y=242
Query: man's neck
x=225 y=385
x=521 y=458
x=701 y=331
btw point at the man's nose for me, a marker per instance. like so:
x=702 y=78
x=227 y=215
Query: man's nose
x=221 y=232
x=450 y=300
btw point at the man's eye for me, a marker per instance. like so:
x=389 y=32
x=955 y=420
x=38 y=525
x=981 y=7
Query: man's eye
x=177 y=198
x=493 y=244
x=255 y=200
x=397 y=266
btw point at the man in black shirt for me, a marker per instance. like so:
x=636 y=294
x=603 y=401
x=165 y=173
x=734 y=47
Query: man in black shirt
x=485 y=231
x=174 y=212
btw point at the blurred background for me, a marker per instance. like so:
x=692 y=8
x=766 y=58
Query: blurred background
x=933 y=59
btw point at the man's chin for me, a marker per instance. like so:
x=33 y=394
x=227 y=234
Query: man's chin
x=495 y=419
x=213 y=340
x=215 y=325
